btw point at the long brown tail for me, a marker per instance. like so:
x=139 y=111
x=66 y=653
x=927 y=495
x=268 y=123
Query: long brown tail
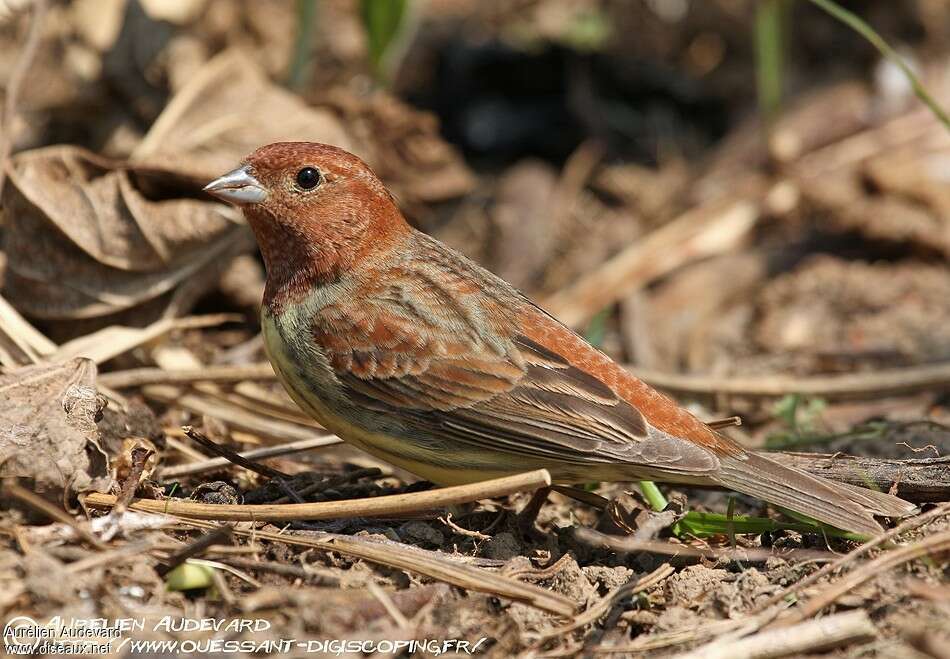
x=843 y=506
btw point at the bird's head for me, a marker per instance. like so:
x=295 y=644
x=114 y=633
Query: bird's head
x=315 y=209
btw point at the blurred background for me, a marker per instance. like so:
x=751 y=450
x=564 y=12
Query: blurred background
x=716 y=193
x=742 y=201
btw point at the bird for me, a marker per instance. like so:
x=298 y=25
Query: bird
x=414 y=353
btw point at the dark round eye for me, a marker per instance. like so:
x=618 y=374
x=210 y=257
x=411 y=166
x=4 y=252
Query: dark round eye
x=308 y=178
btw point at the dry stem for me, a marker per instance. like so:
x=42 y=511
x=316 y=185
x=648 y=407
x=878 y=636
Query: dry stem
x=419 y=561
x=375 y=507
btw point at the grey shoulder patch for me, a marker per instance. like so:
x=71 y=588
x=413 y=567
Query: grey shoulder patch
x=675 y=453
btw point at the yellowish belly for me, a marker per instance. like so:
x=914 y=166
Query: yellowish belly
x=465 y=467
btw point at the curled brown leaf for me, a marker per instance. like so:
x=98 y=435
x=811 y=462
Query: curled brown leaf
x=48 y=430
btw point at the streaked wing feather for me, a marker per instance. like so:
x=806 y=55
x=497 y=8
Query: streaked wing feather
x=461 y=371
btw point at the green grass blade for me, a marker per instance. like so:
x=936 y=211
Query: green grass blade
x=707 y=524
x=382 y=21
x=876 y=40
x=300 y=62
x=769 y=57
x=653 y=495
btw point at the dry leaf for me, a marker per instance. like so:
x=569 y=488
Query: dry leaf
x=20 y=342
x=141 y=235
x=110 y=342
x=226 y=111
x=88 y=237
x=404 y=147
x=48 y=427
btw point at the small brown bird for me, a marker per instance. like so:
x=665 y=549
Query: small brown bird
x=410 y=351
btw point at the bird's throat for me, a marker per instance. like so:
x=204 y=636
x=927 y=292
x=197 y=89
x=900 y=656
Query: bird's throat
x=295 y=263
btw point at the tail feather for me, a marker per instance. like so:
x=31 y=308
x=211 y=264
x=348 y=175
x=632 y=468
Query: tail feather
x=878 y=503
x=843 y=506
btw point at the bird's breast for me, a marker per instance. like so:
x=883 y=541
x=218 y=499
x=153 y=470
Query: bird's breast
x=303 y=368
x=300 y=363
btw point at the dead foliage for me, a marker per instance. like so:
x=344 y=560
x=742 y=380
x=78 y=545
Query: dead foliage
x=800 y=280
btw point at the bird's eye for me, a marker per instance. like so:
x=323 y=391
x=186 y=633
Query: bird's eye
x=308 y=178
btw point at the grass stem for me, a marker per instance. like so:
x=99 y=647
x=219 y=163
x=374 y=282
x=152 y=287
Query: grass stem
x=855 y=23
x=769 y=58
x=300 y=64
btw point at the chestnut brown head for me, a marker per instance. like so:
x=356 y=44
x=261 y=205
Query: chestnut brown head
x=314 y=209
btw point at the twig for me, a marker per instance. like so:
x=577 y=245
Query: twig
x=527 y=515
x=17 y=76
x=218 y=536
x=918 y=480
x=628 y=544
x=140 y=456
x=923 y=590
x=725 y=423
x=447 y=520
x=111 y=557
x=655 y=523
x=335 y=481
x=875 y=39
x=599 y=609
x=908 y=525
x=248 y=397
x=110 y=342
x=698 y=233
x=590 y=498
x=172 y=443
x=394 y=504
x=383 y=598
x=574 y=176
x=233 y=456
x=807 y=637
x=876 y=384
x=930 y=377
x=610 y=619
x=928 y=447
x=679 y=637
x=25 y=338
x=295 y=571
x=253 y=395
x=927 y=546
x=38 y=503
x=235 y=415
x=419 y=561
x=137 y=377
x=542 y=573
x=219 y=581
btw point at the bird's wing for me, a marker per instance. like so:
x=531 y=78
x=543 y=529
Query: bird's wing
x=459 y=367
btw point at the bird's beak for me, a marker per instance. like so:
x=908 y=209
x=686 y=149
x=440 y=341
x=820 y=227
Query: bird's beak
x=238 y=187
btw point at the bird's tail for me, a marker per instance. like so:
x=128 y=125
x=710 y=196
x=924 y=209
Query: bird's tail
x=846 y=507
